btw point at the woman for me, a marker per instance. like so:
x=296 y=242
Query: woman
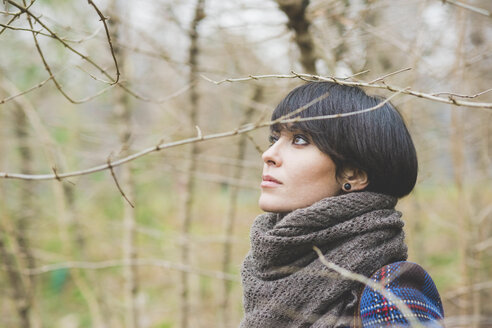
x=333 y=184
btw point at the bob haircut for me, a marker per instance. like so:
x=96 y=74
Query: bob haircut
x=376 y=142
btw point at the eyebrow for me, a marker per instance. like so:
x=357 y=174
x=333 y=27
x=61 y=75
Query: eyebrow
x=292 y=130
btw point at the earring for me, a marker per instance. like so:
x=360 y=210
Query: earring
x=347 y=186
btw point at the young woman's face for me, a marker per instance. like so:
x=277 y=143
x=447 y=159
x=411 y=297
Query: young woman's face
x=296 y=173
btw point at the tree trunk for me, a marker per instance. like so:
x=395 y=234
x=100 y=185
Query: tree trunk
x=231 y=213
x=299 y=23
x=123 y=114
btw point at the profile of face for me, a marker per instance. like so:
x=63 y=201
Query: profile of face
x=312 y=159
x=296 y=173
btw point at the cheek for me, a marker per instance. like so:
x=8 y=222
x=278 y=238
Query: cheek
x=319 y=180
x=318 y=172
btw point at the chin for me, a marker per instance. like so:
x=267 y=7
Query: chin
x=266 y=205
x=272 y=206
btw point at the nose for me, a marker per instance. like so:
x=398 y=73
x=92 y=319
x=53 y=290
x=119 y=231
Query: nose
x=271 y=156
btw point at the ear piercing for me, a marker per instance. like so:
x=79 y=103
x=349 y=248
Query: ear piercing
x=347 y=186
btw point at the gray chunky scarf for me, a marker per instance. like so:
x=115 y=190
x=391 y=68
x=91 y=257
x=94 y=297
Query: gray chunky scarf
x=284 y=282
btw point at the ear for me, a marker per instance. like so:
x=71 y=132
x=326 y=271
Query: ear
x=356 y=177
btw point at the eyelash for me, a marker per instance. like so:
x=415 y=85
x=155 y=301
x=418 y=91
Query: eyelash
x=300 y=136
x=272 y=139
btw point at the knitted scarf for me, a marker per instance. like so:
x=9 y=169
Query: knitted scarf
x=286 y=285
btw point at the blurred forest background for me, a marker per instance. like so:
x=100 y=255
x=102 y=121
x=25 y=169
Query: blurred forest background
x=158 y=241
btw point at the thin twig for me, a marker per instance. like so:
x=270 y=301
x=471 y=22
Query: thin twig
x=39 y=85
x=16 y=15
x=450 y=94
x=95 y=78
x=103 y=19
x=40 y=32
x=314 y=78
x=57 y=177
x=157 y=101
x=300 y=109
x=9 y=13
x=138 y=262
x=243 y=129
x=84 y=57
x=23 y=29
x=322 y=117
x=55 y=36
x=41 y=54
x=104 y=90
x=407 y=313
x=354 y=75
x=477 y=10
x=255 y=144
x=48 y=68
x=390 y=74
x=133 y=93
x=214 y=178
x=90 y=36
x=116 y=182
x=251 y=77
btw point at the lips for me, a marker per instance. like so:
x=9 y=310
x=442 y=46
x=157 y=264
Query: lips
x=269 y=182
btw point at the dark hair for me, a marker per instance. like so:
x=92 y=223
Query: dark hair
x=376 y=141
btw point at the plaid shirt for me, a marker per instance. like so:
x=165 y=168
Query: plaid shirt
x=413 y=285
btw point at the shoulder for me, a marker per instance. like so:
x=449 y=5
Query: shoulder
x=410 y=283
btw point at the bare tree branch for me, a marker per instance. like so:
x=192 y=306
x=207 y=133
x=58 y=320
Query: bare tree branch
x=117 y=184
x=468 y=7
x=103 y=19
x=31 y=16
x=24 y=29
x=40 y=32
x=55 y=36
x=309 y=77
x=16 y=15
x=405 y=310
x=41 y=54
x=243 y=129
x=112 y=81
x=9 y=13
x=37 y=86
x=137 y=262
x=461 y=95
x=389 y=74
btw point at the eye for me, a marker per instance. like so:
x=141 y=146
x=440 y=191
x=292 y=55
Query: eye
x=300 y=139
x=272 y=139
